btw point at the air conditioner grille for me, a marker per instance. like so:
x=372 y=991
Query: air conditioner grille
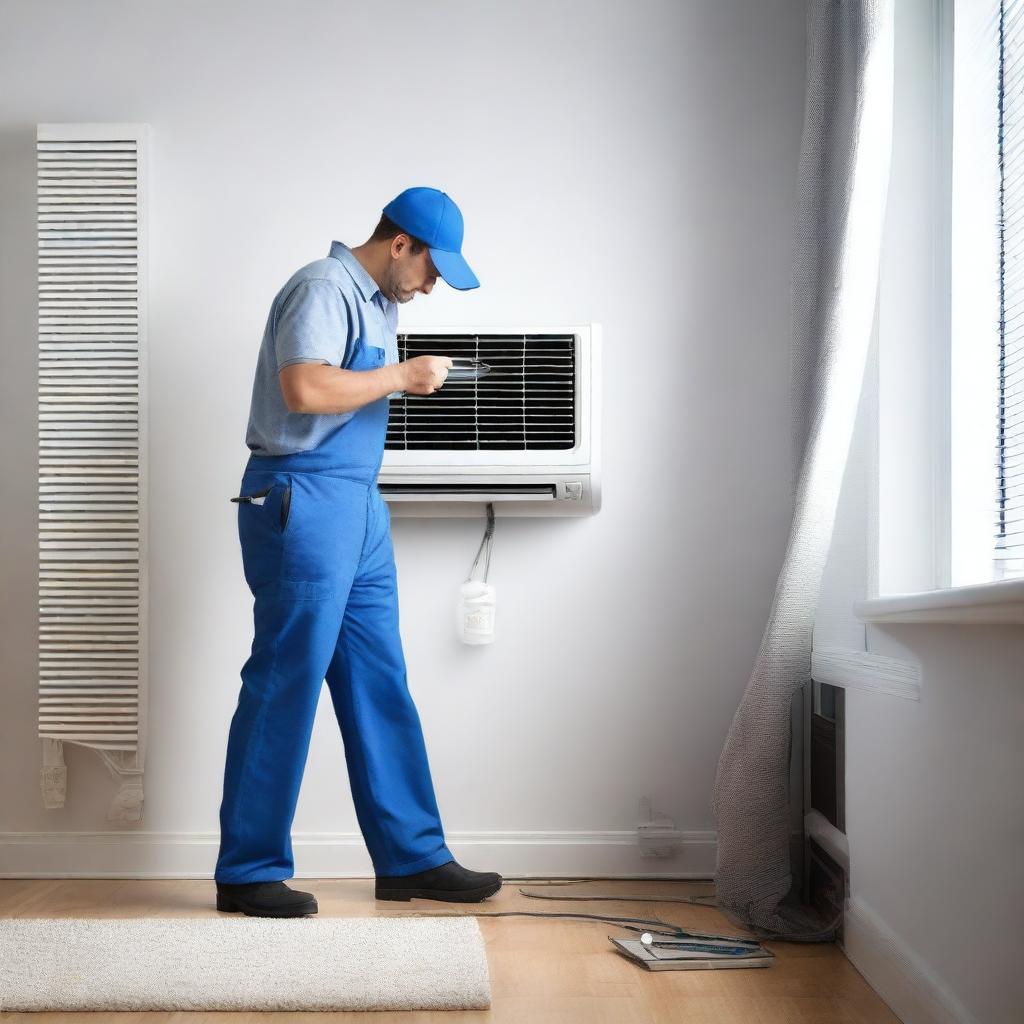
x=526 y=403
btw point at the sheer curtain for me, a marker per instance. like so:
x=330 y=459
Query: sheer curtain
x=841 y=193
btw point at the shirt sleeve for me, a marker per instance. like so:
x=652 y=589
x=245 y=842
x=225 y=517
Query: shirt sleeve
x=313 y=325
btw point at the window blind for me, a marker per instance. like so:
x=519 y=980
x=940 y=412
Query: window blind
x=1009 y=547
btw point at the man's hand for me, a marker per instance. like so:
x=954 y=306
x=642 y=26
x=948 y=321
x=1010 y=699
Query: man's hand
x=423 y=375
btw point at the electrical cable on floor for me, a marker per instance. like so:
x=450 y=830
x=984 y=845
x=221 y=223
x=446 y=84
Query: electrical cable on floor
x=707 y=900
x=653 y=925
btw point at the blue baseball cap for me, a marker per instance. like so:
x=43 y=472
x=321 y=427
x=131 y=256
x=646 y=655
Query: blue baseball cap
x=431 y=216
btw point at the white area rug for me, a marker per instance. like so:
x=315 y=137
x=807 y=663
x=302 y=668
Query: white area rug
x=248 y=963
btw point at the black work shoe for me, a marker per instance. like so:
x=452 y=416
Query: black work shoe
x=265 y=899
x=450 y=883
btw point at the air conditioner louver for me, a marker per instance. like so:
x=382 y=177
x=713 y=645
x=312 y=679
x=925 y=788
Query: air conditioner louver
x=526 y=403
x=91 y=590
x=468 y=492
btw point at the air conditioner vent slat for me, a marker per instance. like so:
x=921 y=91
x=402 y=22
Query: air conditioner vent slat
x=526 y=403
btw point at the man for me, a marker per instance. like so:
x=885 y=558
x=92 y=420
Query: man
x=317 y=556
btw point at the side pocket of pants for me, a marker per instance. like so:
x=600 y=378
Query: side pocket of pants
x=263 y=513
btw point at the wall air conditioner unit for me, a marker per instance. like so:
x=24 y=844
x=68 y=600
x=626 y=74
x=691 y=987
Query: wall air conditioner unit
x=525 y=437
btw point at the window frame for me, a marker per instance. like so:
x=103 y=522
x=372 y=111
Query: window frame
x=915 y=478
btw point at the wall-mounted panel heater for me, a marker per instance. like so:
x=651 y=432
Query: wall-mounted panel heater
x=93 y=591
x=525 y=437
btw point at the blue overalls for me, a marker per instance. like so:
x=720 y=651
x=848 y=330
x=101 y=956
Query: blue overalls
x=318 y=558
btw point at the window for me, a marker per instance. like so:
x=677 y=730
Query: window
x=987 y=293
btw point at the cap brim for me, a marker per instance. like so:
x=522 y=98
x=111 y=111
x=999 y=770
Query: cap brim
x=454 y=269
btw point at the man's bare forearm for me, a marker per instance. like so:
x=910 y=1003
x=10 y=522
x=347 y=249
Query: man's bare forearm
x=333 y=390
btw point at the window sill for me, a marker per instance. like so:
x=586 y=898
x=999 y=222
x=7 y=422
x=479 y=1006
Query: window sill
x=999 y=602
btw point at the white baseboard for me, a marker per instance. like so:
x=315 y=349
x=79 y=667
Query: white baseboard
x=914 y=992
x=138 y=854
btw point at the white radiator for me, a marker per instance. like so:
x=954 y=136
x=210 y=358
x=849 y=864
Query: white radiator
x=92 y=439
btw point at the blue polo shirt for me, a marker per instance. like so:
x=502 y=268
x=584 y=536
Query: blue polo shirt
x=316 y=317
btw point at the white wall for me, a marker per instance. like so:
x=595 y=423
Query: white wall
x=629 y=163
x=935 y=826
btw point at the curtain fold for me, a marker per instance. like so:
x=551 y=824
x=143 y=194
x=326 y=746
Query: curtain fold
x=840 y=210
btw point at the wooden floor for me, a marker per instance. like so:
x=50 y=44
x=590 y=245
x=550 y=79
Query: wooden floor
x=543 y=970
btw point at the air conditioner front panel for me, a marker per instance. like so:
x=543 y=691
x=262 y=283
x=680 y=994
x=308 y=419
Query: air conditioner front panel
x=532 y=409
x=522 y=438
